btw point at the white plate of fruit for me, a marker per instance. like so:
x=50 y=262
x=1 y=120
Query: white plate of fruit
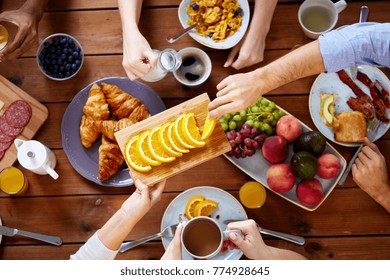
x=291 y=160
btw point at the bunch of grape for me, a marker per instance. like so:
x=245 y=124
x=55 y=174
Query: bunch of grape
x=262 y=115
x=245 y=142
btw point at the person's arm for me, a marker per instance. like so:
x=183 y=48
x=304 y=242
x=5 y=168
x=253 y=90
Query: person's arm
x=253 y=246
x=370 y=173
x=251 y=48
x=138 y=57
x=106 y=241
x=27 y=19
x=237 y=92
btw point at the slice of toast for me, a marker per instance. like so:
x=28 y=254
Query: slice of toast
x=349 y=127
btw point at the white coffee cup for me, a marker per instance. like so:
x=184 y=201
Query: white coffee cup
x=36 y=157
x=317 y=17
x=202 y=237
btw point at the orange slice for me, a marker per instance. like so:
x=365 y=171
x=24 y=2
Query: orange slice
x=178 y=134
x=132 y=158
x=205 y=208
x=143 y=150
x=191 y=205
x=208 y=128
x=156 y=149
x=173 y=141
x=191 y=131
x=164 y=141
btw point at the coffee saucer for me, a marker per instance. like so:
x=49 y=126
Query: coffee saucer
x=228 y=208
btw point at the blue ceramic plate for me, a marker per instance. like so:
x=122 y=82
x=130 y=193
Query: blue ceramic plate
x=228 y=208
x=85 y=161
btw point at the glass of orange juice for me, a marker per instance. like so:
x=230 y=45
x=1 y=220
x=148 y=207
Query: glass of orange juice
x=3 y=37
x=13 y=181
x=252 y=194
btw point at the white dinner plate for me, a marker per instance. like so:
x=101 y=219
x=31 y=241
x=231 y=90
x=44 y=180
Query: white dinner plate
x=208 y=42
x=228 y=208
x=330 y=83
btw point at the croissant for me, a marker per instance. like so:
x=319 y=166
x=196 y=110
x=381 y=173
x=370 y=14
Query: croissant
x=88 y=132
x=96 y=106
x=109 y=127
x=121 y=103
x=140 y=113
x=110 y=159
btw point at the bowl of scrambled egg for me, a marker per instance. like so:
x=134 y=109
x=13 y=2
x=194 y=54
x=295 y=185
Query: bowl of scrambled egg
x=221 y=23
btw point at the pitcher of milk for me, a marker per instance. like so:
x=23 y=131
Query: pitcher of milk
x=36 y=157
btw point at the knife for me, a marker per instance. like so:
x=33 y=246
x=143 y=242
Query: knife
x=55 y=240
x=285 y=236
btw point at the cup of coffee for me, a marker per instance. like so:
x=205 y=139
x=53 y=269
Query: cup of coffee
x=317 y=17
x=203 y=238
x=195 y=68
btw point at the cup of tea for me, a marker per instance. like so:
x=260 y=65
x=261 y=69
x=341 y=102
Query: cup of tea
x=195 y=67
x=317 y=17
x=202 y=237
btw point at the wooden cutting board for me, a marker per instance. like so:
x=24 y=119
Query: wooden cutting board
x=216 y=144
x=9 y=93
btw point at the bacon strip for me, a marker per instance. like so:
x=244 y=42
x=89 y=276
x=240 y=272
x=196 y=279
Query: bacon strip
x=348 y=81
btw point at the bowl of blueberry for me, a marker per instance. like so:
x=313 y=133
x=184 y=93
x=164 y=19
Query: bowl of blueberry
x=60 y=56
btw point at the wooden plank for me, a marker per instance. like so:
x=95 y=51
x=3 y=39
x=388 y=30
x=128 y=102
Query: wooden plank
x=216 y=144
x=8 y=94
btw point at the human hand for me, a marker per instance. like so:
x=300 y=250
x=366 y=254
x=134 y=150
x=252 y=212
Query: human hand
x=27 y=34
x=142 y=200
x=252 y=245
x=235 y=93
x=173 y=251
x=369 y=171
x=138 y=57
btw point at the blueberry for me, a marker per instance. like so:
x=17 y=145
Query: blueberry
x=61 y=69
x=65 y=50
x=75 y=54
x=237 y=12
x=74 y=66
x=60 y=75
x=46 y=45
x=41 y=57
x=70 y=58
x=77 y=49
x=195 y=7
x=67 y=74
x=78 y=62
x=63 y=56
x=52 y=49
x=47 y=60
x=58 y=52
x=59 y=61
x=68 y=66
x=53 y=62
x=211 y=35
x=63 y=41
x=53 y=56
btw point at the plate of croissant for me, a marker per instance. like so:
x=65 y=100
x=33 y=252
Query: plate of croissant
x=91 y=119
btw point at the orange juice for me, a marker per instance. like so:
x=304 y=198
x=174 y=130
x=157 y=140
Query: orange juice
x=252 y=194
x=13 y=181
x=3 y=37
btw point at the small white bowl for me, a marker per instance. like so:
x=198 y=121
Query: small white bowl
x=195 y=68
x=53 y=62
x=206 y=41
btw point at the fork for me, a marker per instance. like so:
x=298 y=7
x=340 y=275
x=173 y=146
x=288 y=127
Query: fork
x=371 y=130
x=169 y=231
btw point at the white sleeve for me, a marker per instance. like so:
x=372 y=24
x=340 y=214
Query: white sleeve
x=94 y=249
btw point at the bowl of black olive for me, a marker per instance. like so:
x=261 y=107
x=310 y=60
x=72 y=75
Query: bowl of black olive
x=195 y=67
x=60 y=56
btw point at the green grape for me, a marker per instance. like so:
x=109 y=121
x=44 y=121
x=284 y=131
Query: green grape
x=268 y=109
x=225 y=126
x=272 y=105
x=249 y=122
x=222 y=120
x=268 y=129
x=243 y=113
x=270 y=118
x=259 y=99
x=281 y=113
x=232 y=125
x=237 y=118
x=273 y=123
x=250 y=117
x=264 y=102
x=276 y=115
x=255 y=109
x=256 y=124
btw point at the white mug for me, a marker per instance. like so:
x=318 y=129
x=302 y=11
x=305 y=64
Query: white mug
x=36 y=157
x=202 y=237
x=317 y=17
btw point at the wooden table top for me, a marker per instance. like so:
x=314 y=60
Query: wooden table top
x=348 y=225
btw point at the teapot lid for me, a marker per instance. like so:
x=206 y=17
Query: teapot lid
x=31 y=154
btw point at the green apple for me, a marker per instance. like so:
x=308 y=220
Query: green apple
x=328 y=109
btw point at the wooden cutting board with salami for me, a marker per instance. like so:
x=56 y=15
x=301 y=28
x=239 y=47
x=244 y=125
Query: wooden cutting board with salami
x=217 y=144
x=20 y=117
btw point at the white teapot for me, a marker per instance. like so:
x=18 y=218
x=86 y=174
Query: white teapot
x=36 y=157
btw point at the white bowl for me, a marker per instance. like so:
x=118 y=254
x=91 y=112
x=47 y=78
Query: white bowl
x=49 y=40
x=230 y=41
x=199 y=66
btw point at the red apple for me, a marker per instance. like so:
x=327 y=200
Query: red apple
x=328 y=166
x=309 y=192
x=275 y=149
x=280 y=177
x=289 y=128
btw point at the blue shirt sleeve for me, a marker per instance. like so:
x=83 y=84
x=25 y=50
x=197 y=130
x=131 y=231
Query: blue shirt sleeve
x=357 y=44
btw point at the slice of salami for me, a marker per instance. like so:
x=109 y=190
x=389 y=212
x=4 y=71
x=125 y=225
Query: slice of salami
x=2 y=154
x=5 y=145
x=9 y=130
x=5 y=138
x=18 y=113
